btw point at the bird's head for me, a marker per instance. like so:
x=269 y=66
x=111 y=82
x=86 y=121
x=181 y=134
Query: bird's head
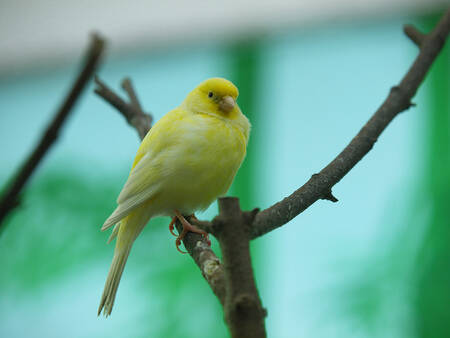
x=215 y=96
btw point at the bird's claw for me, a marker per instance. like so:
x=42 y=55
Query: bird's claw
x=186 y=228
x=177 y=244
x=171 y=227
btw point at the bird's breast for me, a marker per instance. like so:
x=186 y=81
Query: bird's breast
x=202 y=166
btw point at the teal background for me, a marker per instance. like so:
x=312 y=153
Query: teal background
x=375 y=264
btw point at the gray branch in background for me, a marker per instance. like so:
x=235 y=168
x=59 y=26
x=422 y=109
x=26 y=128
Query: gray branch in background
x=10 y=196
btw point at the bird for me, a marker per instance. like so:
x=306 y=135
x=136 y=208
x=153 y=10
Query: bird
x=186 y=161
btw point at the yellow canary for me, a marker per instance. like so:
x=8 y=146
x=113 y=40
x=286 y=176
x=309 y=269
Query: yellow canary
x=187 y=160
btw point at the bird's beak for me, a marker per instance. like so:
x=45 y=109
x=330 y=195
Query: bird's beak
x=227 y=104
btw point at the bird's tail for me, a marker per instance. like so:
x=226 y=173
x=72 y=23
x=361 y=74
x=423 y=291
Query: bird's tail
x=127 y=231
x=113 y=279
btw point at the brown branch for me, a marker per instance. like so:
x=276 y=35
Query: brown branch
x=233 y=282
x=415 y=35
x=399 y=99
x=244 y=313
x=132 y=111
x=209 y=264
x=10 y=197
x=128 y=87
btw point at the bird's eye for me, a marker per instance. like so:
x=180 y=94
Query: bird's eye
x=210 y=94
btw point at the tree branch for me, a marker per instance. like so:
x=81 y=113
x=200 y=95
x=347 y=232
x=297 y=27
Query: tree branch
x=319 y=186
x=244 y=313
x=10 y=197
x=209 y=264
x=132 y=111
x=415 y=35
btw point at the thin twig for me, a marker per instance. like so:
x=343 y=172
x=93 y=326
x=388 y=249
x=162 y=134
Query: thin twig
x=10 y=197
x=132 y=111
x=414 y=34
x=128 y=87
x=399 y=99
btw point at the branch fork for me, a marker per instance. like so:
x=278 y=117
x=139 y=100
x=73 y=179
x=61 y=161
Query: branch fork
x=131 y=111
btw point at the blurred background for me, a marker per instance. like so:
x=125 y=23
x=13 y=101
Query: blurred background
x=310 y=74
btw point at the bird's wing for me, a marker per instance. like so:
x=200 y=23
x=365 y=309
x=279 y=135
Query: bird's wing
x=142 y=184
x=148 y=169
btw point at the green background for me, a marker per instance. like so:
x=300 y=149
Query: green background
x=376 y=264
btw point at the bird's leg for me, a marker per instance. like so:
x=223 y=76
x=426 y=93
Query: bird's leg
x=171 y=227
x=172 y=223
x=188 y=227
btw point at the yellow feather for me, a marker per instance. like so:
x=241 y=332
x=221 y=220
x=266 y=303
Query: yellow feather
x=188 y=159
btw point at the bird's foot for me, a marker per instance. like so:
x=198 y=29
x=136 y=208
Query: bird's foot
x=172 y=224
x=186 y=228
